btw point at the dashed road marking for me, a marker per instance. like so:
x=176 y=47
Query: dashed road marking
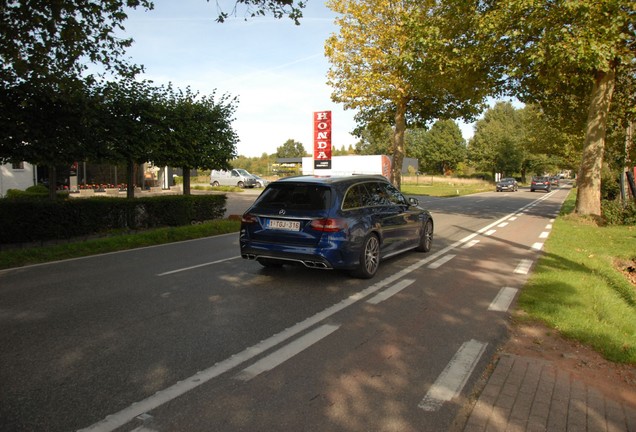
x=470 y=244
x=524 y=266
x=440 y=262
x=504 y=298
x=390 y=291
x=453 y=378
x=285 y=353
x=537 y=246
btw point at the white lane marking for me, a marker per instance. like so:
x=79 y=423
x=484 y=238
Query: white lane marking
x=389 y=292
x=286 y=352
x=504 y=298
x=440 y=262
x=544 y=235
x=470 y=244
x=524 y=266
x=513 y=218
x=491 y=232
x=537 y=246
x=197 y=266
x=502 y=225
x=548 y=226
x=452 y=380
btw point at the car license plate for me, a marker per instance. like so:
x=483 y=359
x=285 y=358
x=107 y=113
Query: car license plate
x=285 y=225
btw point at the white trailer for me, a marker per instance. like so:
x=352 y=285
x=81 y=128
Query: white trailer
x=356 y=164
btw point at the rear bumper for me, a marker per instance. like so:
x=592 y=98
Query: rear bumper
x=322 y=258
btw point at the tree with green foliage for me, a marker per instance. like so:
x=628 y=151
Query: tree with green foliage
x=291 y=149
x=400 y=63
x=565 y=51
x=439 y=149
x=44 y=40
x=277 y=8
x=498 y=143
x=131 y=124
x=198 y=132
x=375 y=139
x=49 y=124
x=46 y=50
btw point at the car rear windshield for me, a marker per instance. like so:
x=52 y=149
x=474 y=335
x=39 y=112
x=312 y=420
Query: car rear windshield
x=295 y=197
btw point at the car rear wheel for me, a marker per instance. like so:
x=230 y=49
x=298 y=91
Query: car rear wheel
x=215 y=184
x=426 y=239
x=369 y=258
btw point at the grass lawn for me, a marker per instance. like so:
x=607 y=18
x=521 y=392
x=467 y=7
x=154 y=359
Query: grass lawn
x=578 y=288
x=444 y=186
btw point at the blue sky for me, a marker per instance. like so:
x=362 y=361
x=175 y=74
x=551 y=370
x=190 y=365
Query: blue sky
x=275 y=68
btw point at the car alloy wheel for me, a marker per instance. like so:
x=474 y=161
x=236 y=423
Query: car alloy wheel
x=426 y=240
x=369 y=258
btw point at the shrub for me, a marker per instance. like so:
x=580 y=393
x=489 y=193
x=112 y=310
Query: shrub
x=43 y=219
x=616 y=213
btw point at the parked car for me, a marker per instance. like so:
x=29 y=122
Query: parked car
x=507 y=184
x=540 y=183
x=235 y=177
x=260 y=181
x=554 y=181
x=349 y=223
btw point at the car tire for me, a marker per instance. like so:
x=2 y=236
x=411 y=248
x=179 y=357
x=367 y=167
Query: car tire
x=531 y=190
x=369 y=258
x=241 y=184
x=426 y=239
x=215 y=184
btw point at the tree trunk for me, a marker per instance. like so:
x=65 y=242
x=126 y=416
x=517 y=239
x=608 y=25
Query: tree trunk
x=130 y=179
x=588 y=198
x=52 y=182
x=186 y=181
x=398 y=144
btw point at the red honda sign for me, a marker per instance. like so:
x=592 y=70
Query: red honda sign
x=322 y=140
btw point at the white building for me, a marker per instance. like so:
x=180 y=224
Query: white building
x=16 y=176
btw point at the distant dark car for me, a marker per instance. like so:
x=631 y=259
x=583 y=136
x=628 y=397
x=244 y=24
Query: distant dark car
x=540 y=183
x=349 y=223
x=554 y=181
x=507 y=184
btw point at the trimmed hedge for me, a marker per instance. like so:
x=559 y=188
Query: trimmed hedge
x=32 y=220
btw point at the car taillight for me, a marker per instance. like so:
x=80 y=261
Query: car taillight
x=249 y=218
x=328 y=224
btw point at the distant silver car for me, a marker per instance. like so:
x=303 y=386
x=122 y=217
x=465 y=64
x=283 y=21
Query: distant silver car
x=260 y=181
x=507 y=184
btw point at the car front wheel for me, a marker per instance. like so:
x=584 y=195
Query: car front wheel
x=369 y=258
x=426 y=239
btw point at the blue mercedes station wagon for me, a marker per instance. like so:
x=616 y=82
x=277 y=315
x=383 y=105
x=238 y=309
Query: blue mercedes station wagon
x=349 y=223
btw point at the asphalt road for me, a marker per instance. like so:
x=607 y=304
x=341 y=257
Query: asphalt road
x=190 y=337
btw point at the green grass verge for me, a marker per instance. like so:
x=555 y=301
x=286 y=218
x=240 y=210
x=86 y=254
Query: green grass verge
x=446 y=189
x=577 y=289
x=114 y=242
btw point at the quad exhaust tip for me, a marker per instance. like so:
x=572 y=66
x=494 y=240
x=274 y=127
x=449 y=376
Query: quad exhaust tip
x=306 y=263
